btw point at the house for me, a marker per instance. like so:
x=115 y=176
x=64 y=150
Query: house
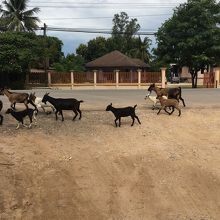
x=116 y=60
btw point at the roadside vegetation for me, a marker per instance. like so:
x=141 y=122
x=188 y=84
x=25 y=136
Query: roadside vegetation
x=191 y=37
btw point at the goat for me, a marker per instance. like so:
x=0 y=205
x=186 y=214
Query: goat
x=39 y=104
x=64 y=104
x=1 y=117
x=173 y=103
x=123 y=112
x=19 y=116
x=171 y=93
x=15 y=97
x=153 y=99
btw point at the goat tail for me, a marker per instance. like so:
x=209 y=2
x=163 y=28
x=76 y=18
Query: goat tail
x=81 y=101
x=135 y=106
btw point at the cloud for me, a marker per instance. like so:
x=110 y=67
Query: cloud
x=150 y=14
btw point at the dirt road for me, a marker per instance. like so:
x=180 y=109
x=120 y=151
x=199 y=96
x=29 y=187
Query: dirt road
x=167 y=168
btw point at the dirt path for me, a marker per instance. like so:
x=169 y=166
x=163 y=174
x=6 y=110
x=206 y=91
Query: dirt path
x=168 y=168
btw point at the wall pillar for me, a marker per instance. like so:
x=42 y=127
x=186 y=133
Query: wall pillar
x=217 y=74
x=95 y=77
x=163 y=74
x=117 y=78
x=49 y=78
x=72 y=79
x=139 y=78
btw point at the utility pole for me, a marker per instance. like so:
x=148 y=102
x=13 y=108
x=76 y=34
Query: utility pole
x=46 y=61
x=45 y=29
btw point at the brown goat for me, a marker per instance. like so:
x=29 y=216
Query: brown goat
x=15 y=97
x=173 y=103
x=171 y=93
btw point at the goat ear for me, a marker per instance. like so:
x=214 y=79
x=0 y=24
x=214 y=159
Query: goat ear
x=111 y=104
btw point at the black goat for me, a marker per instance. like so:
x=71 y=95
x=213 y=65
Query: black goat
x=171 y=93
x=19 y=116
x=64 y=104
x=1 y=117
x=123 y=112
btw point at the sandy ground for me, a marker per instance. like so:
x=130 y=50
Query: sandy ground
x=167 y=168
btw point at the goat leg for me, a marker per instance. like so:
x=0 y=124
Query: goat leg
x=1 y=119
x=76 y=113
x=116 y=122
x=80 y=114
x=132 y=120
x=56 y=114
x=13 y=106
x=183 y=101
x=179 y=111
x=61 y=112
x=159 y=110
x=119 y=122
x=165 y=109
x=137 y=119
x=18 y=125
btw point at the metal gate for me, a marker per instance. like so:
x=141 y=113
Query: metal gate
x=209 y=80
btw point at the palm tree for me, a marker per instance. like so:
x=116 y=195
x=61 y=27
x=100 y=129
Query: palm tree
x=17 y=18
x=141 y=50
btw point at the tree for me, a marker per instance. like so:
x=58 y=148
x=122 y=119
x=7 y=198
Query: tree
x=70 y=62
x=17 y=18
x=21 y=51
x=191 y=37
x=141 y=49
x=95 y=48
x=123 y=31
x=122 y=39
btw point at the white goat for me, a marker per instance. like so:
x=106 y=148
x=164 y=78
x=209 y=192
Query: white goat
x=153 y=99
x=39 y=104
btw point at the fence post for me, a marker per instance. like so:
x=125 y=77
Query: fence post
x=216 y=82
x=95 y=77
x=49 y=78
x=117 y=78
x=139 y=78
x=163 y=73
x=72 y=79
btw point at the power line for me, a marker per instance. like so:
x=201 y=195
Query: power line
x=105 y=3
x=101 y=7
x=102 y=17
x=89 y=30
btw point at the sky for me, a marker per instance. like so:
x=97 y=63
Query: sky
x=98 y=14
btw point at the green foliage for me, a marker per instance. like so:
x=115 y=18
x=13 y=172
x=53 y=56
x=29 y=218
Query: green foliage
x=122 y=39
x=95 y=48
x=17 y=18
x=140 y=49
x=123 y=31
x=70 y=62
x=191 y=37
x=21 y=51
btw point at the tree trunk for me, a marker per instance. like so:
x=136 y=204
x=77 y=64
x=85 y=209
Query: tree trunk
x=194 y=77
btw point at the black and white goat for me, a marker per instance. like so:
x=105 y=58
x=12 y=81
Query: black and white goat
x=39 y=104
x=20 y=115
x=123 y=112
x=64 y=104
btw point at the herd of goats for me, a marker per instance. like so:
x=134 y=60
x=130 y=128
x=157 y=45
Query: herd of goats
x=167 y=97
